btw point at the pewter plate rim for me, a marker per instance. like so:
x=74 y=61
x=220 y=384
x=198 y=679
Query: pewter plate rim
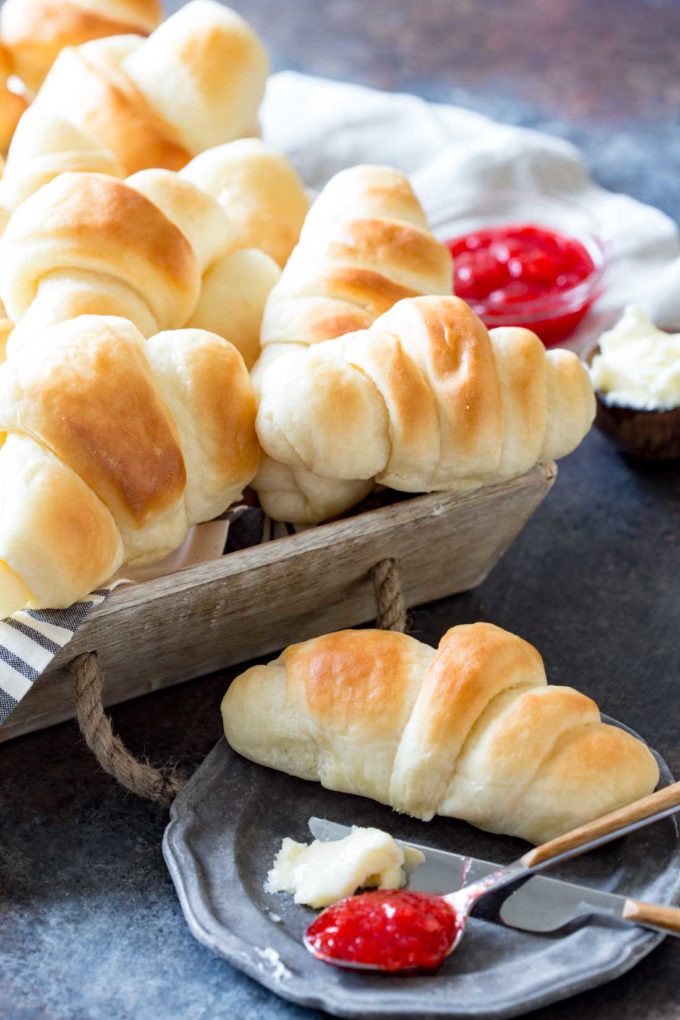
x=302 y=982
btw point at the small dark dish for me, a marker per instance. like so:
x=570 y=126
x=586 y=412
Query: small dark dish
x=653 y=435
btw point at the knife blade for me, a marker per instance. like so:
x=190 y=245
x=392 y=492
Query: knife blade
x=540 y=905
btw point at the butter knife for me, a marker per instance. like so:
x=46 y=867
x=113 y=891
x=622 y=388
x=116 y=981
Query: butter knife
x=540 y=905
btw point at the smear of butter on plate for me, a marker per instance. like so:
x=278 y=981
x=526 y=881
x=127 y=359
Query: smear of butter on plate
x=320 y=873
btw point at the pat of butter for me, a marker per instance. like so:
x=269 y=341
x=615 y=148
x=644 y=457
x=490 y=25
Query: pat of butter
x=638 y=364
x=320 y=873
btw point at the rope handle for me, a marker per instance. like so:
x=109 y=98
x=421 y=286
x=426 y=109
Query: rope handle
x=136 y=775
x=163 y=784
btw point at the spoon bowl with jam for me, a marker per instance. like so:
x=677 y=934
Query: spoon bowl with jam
x=401 y=930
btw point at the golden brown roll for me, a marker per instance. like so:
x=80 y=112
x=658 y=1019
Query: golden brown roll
x=154 y=249
x=36 y=31
x=112 y=448
x=424 y=400
x=365 y=245
x=89 y=243
x=469 y=731
x=197 y=81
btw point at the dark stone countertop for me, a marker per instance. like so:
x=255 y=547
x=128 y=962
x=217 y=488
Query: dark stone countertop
x=89 y=924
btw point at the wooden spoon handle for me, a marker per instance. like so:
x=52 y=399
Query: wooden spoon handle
x=664 y=800
x=667 y=918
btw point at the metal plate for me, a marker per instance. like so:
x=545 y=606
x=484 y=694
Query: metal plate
x=227 y=825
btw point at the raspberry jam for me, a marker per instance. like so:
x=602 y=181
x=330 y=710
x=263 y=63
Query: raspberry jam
x=525 y=275
x=393 y=930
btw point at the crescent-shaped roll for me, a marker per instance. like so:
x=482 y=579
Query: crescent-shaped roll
x=258 y=189
x=425 y=400
x=89 y=243
x=197 y=81
x=154 y=249
x=112 y=447
x=365 y=245
x=36 y=31
x=471 y=730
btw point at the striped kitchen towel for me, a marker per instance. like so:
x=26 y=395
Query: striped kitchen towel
x=29 y=640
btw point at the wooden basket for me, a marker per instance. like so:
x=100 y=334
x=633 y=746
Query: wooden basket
x=158 y=633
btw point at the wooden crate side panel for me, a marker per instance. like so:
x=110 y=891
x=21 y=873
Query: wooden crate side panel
x=250 y=603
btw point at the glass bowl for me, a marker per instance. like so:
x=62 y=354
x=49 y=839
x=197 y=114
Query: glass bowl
x=554 y=315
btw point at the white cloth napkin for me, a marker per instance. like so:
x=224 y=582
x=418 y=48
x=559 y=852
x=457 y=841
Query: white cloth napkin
x=325 y=126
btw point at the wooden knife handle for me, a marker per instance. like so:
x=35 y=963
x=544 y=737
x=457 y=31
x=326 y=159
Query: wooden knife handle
x=655 y=803
x=667 y=918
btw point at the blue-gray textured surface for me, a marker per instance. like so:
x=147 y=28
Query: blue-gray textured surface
x=89 y=924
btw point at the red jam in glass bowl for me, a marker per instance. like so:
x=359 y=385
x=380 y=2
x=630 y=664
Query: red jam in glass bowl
x=543 y=272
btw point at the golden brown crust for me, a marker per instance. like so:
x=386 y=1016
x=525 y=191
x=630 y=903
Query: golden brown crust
x=115 y=112
x=474 y=665
x=140 y=439
x=95 y=406
x=364 y=245
x=371 y=263
x=474 y=662
x=12 y=106
x=592 y=770
x=408 y=397
x=206 y=387
x=224 y=409
x=525 y=366
x=205 y=54
x=366 y=191
x=194 y=83
x=6 y=327
x=397 y=250
x=37 y=30
x=99 y=223
x=364 y=248
x=517 y=731
x=451 y=407
x=391 y=190
x=56 y=535
x=367 y=288
x=306 y=319
x=334 y=320
x=464 y=377
x=350 y=678
x=471 y=732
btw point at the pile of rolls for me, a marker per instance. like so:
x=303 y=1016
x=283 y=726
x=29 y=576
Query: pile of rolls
x=179 y=324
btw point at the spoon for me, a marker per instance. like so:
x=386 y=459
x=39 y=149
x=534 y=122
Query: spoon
x=394 y=930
